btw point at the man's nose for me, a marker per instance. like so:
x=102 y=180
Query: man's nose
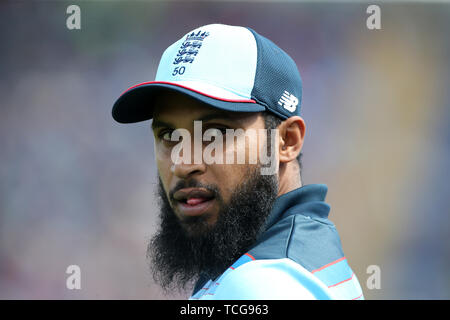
x=184 y=171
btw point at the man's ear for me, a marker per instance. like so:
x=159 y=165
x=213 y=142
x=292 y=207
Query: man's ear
x=292 y=133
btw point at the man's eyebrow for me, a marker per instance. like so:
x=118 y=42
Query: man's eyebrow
x=211 y=116
x=159 y=124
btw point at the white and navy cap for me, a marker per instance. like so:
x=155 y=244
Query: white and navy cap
x=227 y=67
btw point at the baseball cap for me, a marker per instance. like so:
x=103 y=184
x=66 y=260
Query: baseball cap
x=227 y=67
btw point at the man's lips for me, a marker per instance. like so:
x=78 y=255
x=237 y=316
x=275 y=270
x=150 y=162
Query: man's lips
x=193 y=201
x=187 y=194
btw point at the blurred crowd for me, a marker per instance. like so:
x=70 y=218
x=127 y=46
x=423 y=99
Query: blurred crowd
x=78 y=188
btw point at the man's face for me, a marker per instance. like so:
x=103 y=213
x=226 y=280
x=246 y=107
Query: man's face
x=198 y=192
x=212 y=213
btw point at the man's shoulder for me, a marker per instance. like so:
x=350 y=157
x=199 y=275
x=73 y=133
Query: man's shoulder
x=283 y=278
x=305 y=238
x=264 y=279
x=312 y=242
x=298 y=257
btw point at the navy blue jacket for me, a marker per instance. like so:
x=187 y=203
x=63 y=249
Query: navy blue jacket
x=297 y=230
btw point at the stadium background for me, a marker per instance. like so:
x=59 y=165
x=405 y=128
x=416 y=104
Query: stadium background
x=78 y=188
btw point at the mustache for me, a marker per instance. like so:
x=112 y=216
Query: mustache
x=192 y=183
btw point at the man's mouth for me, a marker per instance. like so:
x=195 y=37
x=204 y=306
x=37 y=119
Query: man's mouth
x=193 y=201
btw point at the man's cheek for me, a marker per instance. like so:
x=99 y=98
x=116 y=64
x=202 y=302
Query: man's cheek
x=162 y=152
x=164 y=167
x=227 y=178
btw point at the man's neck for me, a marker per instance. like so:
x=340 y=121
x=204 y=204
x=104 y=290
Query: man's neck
x=289 y=178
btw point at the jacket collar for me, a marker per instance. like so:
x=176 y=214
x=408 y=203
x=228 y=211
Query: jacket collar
x=309 y=198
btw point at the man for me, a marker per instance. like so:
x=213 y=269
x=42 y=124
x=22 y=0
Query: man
x=243 y=229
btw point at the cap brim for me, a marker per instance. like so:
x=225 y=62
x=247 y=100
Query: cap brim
x=137 y=103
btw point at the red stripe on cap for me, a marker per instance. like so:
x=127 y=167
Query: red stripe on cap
x=190 y=89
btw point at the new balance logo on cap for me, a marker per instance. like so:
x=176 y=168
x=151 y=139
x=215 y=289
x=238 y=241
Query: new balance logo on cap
x=227 y=67
x=288 y=101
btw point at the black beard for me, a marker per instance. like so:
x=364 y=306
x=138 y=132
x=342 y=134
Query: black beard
x=180 y=253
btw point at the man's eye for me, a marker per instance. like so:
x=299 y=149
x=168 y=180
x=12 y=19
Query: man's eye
x=166 y=135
